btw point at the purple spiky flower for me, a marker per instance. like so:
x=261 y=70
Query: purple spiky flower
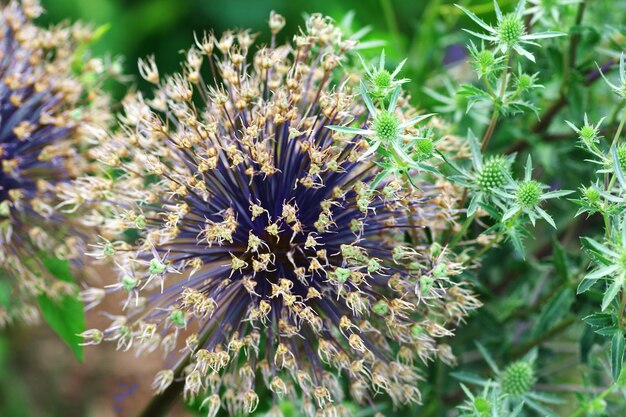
x=266 y=247
x=44 y=111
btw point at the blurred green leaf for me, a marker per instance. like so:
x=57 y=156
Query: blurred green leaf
x=65 y=316
x=557 y=308
x=617 y=354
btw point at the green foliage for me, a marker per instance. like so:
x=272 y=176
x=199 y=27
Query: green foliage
x=66 y=315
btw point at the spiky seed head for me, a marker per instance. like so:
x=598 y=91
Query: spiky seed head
x=425 y=147
x=485 y=59
x=382 y=80
x=510 y=29
x=588 y=133
x=387 y=126
x=591 y=194
x=517 y=379
x=493 y=173
x=524 y=82
x=529 y=194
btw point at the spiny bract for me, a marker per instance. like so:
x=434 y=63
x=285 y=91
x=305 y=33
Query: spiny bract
x=45 y=112
x=266 y=248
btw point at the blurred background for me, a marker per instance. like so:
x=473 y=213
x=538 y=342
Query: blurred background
x=38 y=375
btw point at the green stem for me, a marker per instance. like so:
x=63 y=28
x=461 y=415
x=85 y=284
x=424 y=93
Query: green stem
x=409 y=214
x=619 y=128
x=485 y=248
x=461 y=233
x=556 y=329
x=497 y=104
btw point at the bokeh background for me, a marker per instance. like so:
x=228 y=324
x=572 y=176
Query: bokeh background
x=38 y=375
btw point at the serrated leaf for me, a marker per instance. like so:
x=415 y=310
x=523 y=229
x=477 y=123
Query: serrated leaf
x=585 y=284
x=607 y=331
x=600 y=319
x=617 y=354
x=66 y=315
x=612 y=291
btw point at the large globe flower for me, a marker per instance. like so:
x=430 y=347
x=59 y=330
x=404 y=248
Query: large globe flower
x=266 y=248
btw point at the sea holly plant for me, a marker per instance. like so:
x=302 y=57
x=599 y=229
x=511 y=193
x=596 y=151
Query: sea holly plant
x=510 y=31
x=606 y=197
x=525 y=197
x=509 y=390
x=387 y=136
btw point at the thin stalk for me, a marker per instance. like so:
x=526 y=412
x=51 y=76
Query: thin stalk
x=496 y=106
x=409 y=214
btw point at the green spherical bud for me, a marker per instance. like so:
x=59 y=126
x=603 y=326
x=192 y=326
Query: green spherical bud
x=517 y=379
x=511 y=29
x=178 y=318
x=382 y=80
x=621 y=156
x=387 y=126
x=426 y=283
x=373 y=266
x=417 y=330
x=483 y=406
x=493 y=174
x=129 y=283
x=108 y=249
x=435 y=250
x=591 y=194
x=485 y=59
x=381 y=308
x=587 y=133
x=529 y=194
x=156 y=267
x=440 y=271
x=342 y=274
x=524 y=82
x=425 y=146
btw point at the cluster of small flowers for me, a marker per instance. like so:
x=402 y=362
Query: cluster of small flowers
x=49 y=101
x=268 y=244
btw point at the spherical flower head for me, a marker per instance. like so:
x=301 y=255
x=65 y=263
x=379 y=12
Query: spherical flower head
x=484 y=61
x=494 y=173
x=529 y=194
x=270 y=258
x=382 y=80
x=511 y=29
x=588 y=133
x=425 y=147
x=524 y=82
x=517 y=379
x=591 y=194
x=387 y=126
x=45 y=115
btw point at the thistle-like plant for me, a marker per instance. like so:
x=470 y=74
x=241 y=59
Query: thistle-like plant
x=381 y=81
x=510 y=30
x=525 y=197
x=387 y=135
x=511 y=388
